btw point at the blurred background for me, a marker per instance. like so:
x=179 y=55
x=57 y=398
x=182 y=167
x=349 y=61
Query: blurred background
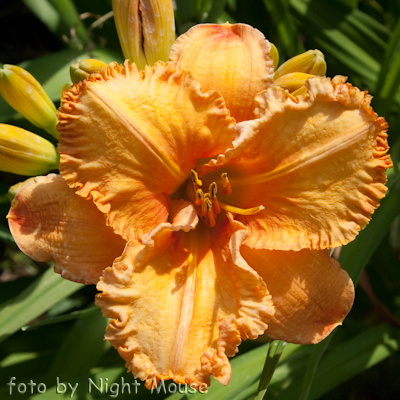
x=49 y=328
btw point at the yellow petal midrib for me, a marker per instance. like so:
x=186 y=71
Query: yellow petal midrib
x=187 y=309
x=124 y=119
x=323 y=151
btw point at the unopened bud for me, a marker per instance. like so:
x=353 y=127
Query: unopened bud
x=25 y=94
x=299 y=92
x=146 y=29
x=311 y=62
x=14 y=189
x=274 y=54
x=65 y=87
x=292 y=81
x=24 y=153
x=81 y=70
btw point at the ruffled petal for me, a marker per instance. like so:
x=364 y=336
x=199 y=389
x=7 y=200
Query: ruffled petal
x=181 y=304
x=50 y=222
x=316 y=163
x=233 y=59
x=311 y=293
x=129 y=138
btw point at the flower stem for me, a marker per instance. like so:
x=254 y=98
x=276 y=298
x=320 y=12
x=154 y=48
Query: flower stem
x=274 y=354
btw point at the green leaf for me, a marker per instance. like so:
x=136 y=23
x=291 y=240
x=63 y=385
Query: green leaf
x=246 y=371
x=355 y=255
x=216 y=9
x=37 y=298
x=61 y=318
x=186 y=11
x=84 y=342
x=279 y=10
x=70 y=17
x=348 y=360
x=344 y=35
x=46 y=13
x=389 y=78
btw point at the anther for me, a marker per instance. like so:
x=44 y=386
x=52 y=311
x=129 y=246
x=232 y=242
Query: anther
x=226 y=185
x=195 y=178
x=213 y=190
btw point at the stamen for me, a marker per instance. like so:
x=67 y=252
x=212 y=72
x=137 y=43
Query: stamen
x=195 y=178
x=213 y=191
x=210 y=212
x=203 y=205
x=241 y=211
x=199 y=197
x=227 y=188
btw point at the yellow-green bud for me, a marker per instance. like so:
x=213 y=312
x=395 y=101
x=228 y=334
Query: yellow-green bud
x=299 y=91
x=274 y=54
x=12 y=192
x=81 y=70
x=292 y=81
x=24 y=153
x=146 y=29
x=311 y=62
x=65 y=87
x=25 y=94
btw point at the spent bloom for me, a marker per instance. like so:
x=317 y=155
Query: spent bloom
x=203 y=199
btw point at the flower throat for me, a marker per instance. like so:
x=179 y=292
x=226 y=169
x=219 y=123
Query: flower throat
x=209 y=205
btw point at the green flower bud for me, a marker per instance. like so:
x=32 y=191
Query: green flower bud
x=24 y=153
x=292 y=81
x=25 y=94
x=274 y=54
x=311 y=62
x=81 y=70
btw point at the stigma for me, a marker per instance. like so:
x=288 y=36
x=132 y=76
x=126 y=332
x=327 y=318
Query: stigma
x=208 y=203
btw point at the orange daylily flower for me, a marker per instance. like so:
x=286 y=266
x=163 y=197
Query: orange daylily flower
x=225 y=190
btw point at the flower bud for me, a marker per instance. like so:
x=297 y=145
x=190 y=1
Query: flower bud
x=25 y=94
x=274 y=54
x=81 y=70
x=14 y=189
x=146 y=29
x=24 y=153
x=65 y=87
x=311 y=62
x=292 y=81
x=299 y=92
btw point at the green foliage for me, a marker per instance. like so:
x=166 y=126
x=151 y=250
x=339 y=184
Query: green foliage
x=49 y=328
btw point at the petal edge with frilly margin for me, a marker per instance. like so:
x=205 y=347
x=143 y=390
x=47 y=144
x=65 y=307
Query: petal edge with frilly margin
x=311 y=293
x=233 y=59
x=316 y=163
x=50 y=222
x=129 y=138
x=179 y=306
